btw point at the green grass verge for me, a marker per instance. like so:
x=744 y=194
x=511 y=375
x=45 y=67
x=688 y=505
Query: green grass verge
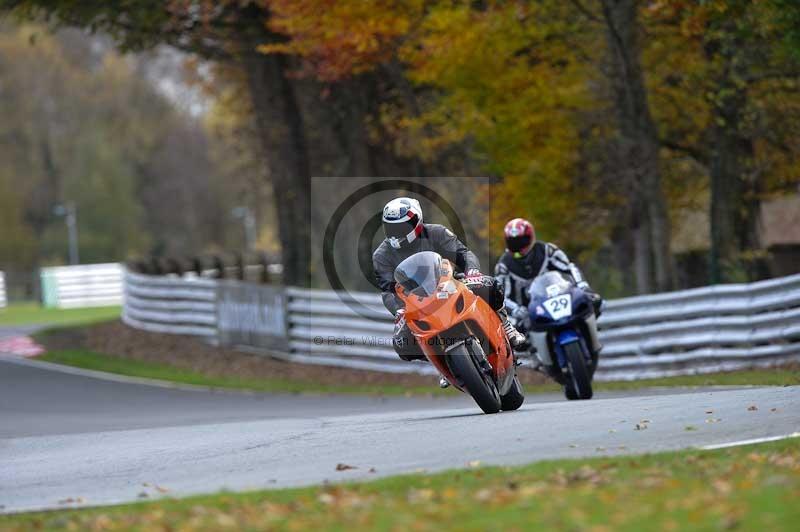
x=757 y=377
x=151 y=370
x=33 y=314
x=744 y=488
x=163 y=371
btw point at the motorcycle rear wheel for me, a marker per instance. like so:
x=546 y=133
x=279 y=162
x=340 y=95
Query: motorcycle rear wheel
x=579 y=383
x=465 y=367
x=515 y=396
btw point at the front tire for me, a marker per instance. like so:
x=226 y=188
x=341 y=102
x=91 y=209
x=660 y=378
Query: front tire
x=515 y=396
x=465 y=367
x=579 y=383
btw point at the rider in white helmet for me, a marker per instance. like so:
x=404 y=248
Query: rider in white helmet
x=406 y=234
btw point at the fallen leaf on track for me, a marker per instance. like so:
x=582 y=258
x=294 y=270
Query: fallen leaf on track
x=484 y=495
x=722 y=486
x=71 y=500
x=225 y=521
x=757 y=458
x=420 y=495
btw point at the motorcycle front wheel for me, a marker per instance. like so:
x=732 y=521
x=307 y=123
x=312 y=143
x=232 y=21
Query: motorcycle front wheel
x=481 y=387
x=579 y=382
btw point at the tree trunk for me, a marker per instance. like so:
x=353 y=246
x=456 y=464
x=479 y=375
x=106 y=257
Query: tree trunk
x=642 y=251
x=731 y=224
x=735 y=200
x=283 y=142
x=639 y=144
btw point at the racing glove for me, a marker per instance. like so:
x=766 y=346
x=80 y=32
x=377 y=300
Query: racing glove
x=473 y=276
x=519 y=314
x=597 y=301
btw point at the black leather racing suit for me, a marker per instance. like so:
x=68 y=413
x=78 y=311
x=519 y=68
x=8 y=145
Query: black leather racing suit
x=516 y=275
x=385 y=259
x=434 y=237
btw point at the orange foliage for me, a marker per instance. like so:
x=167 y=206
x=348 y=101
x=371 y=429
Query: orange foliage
x=341 y=38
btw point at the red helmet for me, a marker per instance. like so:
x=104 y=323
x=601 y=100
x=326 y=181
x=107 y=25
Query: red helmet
x=520 y=236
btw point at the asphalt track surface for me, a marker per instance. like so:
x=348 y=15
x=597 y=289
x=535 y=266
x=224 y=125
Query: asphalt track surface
x=67 y=437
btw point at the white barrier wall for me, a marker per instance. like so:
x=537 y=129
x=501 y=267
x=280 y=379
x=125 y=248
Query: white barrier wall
x=89 y=285
x=703 y=330
x=3 y=299
x=171 y=304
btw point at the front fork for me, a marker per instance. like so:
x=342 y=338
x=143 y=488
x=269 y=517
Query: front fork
x=568 y=336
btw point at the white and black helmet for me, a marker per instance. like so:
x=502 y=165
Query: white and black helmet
x=402 y=221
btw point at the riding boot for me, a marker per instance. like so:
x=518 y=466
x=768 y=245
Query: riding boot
x=516 y=338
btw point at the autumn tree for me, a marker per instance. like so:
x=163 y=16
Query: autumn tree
x=227 y=31
x=638 y=145
x=728 y=77
x=82 y=124
x=513 y=81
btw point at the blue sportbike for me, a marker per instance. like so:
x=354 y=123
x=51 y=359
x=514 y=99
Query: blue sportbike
x=559 y=315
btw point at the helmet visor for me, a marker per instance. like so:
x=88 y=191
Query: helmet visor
x=518 y=243
x=400 y=230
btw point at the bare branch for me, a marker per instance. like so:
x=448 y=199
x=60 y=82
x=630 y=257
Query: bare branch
x=585 y=11
x=691 y=151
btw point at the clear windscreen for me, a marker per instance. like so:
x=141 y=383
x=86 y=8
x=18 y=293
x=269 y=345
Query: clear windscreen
x=549 y=284
x=419 y=274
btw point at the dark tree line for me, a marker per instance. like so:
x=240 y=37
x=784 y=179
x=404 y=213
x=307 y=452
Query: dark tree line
x=642 y=87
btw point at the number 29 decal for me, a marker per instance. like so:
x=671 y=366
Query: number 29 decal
x=559 y=306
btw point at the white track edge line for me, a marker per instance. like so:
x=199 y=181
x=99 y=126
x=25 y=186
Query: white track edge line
x=126 y=379
x=750 y=441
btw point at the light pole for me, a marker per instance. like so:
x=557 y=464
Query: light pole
x=249 y=221
x=70 y=212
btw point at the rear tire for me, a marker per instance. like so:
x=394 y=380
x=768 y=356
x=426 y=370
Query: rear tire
x=579 y=382
x=481 y=388
x=515 y=396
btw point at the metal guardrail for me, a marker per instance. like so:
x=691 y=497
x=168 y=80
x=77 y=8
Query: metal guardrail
x=718 y=328
x=88 y=285
x=171 y=304
x=3 y=298
x=711 y=329
x=347 y=330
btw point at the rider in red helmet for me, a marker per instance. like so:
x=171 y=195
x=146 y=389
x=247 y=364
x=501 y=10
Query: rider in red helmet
x=524 y=259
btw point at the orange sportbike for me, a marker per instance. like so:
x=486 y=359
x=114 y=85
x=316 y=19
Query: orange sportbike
x=459 y=332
